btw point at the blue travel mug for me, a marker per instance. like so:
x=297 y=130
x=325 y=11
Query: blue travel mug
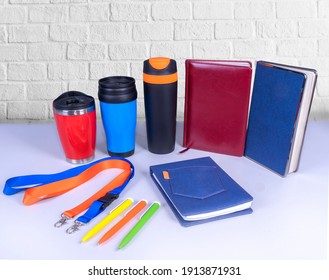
x=117 y=96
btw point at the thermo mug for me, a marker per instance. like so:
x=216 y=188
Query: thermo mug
x=160 y=100
x=117 y=96
x=75 y=118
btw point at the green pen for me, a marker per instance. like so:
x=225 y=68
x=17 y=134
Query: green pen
x=146 y=216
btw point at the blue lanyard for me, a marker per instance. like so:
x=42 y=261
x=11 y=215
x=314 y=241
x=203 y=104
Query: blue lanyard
x=22 y=183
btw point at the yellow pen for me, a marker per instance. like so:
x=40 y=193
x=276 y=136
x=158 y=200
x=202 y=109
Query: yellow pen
x=114 y=213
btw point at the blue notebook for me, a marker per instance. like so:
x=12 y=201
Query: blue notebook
x=281 y=101
x=199 y=191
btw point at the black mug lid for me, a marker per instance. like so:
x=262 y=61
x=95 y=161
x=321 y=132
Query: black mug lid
x=117 y=89
x=73 y=100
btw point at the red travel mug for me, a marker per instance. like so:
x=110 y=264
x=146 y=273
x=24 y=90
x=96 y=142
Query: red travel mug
x=75 y=118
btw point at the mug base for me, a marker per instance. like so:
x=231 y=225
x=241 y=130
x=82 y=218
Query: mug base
x=161 y=150
x=126 y=154
x=80 y=161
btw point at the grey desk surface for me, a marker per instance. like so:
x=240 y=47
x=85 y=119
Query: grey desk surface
x=289 y=220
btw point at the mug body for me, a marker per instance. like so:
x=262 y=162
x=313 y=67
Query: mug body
x=75 y=118
x=119 y=122
x=117 y=96
x=160 y=103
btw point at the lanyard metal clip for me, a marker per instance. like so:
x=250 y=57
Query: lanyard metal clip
x=75 y=227
x=62 y=221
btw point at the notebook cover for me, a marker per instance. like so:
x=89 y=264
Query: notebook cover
x=274 y=108
x=216 y=106
x=194 y=194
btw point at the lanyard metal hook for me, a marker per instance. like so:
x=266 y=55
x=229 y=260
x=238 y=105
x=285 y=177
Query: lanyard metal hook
x=75 y=227
x=62 y=221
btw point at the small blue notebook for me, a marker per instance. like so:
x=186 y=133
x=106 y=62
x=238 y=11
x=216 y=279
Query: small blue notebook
x=281 y=101
x=199 y=191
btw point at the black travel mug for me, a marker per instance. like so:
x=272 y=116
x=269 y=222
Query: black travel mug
x=160 y=100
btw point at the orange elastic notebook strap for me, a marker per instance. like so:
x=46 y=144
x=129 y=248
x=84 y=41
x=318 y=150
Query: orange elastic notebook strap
x=46 y=186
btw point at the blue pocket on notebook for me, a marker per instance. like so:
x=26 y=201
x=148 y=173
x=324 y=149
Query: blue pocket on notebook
x=196 y=181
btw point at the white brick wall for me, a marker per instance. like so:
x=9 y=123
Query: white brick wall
x=50 y=46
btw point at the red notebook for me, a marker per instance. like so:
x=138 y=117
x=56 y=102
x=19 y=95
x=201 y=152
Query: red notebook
x=217 y=95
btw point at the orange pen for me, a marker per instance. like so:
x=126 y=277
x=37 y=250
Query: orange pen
x=131 y=214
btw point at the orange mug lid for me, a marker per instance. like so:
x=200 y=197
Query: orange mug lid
x=159 y=63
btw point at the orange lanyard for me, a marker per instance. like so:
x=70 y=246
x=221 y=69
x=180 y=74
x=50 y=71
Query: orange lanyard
x=60 y=183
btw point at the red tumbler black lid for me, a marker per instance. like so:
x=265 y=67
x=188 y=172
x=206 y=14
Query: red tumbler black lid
x=73 y=100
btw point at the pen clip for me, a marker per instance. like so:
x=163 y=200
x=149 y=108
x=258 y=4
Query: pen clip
x=145 y=211
x=132 y=209
x=62 y=221
x=75 y=227
x=128 y=199
x=148 y=208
